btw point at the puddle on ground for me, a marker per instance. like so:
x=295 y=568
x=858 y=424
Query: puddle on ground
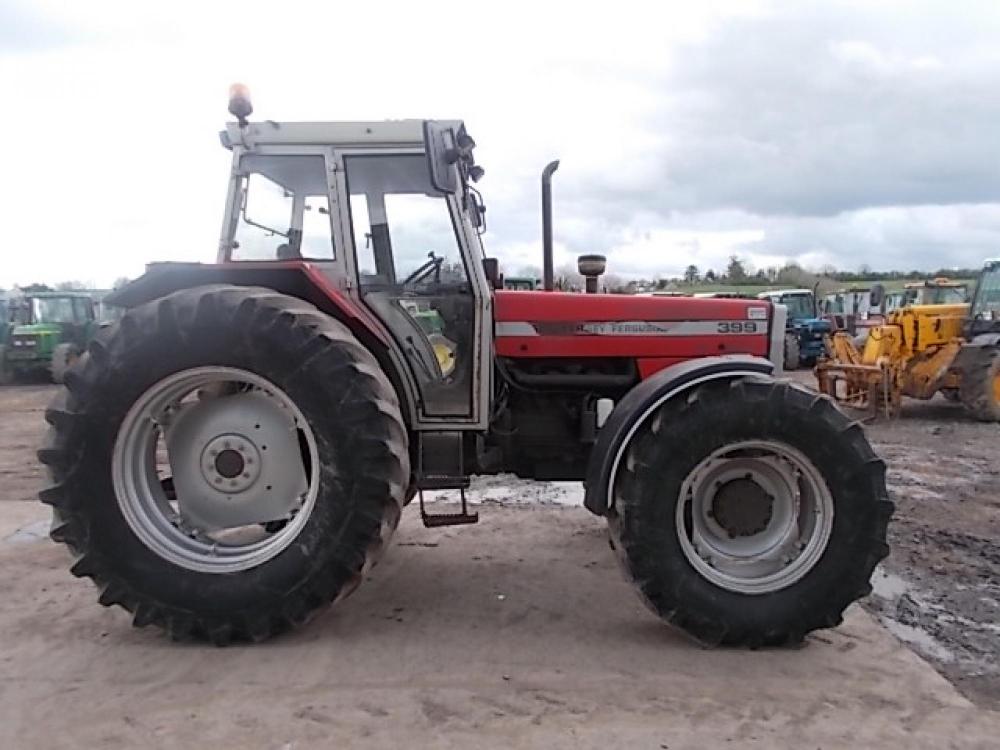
x=888 y=585
x=922 y=641
x=505 y=489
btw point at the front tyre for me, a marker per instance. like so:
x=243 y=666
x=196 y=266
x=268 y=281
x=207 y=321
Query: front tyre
x=225 y=461
x=980 y=388
x=792 y=352
x=750 y=512
x=5 y=373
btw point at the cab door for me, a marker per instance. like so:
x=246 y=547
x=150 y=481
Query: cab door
x=415 y=270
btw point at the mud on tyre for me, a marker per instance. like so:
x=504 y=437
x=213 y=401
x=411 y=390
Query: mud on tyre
x=749 y=512
x=243 y=351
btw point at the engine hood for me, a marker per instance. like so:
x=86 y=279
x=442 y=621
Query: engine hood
x=563 y=324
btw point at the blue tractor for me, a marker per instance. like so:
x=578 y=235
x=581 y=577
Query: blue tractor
x=804 y=329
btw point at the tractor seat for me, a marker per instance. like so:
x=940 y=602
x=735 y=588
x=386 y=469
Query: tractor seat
x=285 y=252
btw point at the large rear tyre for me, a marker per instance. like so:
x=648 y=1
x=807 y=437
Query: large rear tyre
x=225 y=461
x=980 y=387
x=749 y=512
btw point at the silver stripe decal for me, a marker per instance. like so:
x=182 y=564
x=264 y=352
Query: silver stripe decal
x=636 y=328
x=515 y=329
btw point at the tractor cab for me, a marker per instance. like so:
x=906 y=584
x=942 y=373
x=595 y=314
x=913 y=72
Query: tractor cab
x=46 y=330
x=41 y=320
x=938 y=291
x=522 y=283
x=805 y=330
x=385 y=212
x=984 y=310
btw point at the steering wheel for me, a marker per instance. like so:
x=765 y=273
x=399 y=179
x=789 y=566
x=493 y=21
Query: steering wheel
x=431 y=266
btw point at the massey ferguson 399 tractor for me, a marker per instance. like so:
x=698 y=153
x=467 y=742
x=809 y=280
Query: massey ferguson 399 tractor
x=234 y=453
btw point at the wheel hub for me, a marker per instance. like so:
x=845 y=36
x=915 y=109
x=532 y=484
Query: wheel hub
x=754 y=516
x=210 y=469
x=231 y=463
x=235 y=461
x=742 y=507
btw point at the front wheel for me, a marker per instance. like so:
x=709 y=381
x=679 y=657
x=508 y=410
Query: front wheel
x=980 y=388
x=792 y=351
x=225 y=461
x=750 y=512
x=5 y=374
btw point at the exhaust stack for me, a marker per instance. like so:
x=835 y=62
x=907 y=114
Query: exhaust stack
x=548 y=275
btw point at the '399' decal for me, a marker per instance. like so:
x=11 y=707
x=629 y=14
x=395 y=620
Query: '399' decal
x=739 y=326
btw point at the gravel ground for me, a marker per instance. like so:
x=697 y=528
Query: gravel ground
x=939 y=591
x=940 y=587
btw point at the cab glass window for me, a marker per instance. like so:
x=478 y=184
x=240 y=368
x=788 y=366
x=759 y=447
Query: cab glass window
x=284 y=209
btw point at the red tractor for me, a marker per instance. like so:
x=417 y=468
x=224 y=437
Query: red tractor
x=234 y=453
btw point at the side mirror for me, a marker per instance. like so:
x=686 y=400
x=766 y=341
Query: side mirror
x=440 y=143
x=876 y=296
x=492 y=268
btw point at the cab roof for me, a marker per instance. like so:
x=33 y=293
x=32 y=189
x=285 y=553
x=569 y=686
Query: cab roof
x=780 y=292
x=358 y=133
x=50 y=295
x=940 y=281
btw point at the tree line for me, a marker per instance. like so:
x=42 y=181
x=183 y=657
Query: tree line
x=739 y=273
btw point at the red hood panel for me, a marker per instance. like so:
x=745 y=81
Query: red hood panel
x=566 y=306
x=660 y=329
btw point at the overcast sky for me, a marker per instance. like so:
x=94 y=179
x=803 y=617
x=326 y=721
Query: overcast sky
x=842 y=133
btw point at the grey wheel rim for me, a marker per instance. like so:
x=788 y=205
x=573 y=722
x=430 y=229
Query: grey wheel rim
x=754 y=517
x=235 y=449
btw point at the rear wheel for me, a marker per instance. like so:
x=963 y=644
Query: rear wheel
x=225 y=461
x=750 y=513
x=64 y=356
x=980 y=389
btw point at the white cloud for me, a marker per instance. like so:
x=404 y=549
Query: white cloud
x=686 y=130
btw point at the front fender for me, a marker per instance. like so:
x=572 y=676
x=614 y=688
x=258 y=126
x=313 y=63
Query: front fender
x=641 y=401
x=985 y=339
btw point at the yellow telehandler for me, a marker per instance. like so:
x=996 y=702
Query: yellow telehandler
x=921 y=350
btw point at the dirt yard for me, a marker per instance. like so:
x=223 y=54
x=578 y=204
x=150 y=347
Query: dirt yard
x=520 y=632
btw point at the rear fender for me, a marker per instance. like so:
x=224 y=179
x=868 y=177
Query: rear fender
x=294 y=278
x=640 y=402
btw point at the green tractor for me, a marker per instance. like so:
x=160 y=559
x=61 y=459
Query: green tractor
x=522 y=283
x=45 y=331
